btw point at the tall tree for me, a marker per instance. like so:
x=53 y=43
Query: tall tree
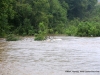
x=79 y=8
x=39 y=12
x=6 y=13
x=59 y=16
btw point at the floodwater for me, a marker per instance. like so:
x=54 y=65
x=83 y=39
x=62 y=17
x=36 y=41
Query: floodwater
x=67 y=56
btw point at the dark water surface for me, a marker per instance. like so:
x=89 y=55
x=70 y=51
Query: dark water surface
x=68 y=56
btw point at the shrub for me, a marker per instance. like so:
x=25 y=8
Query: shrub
x=42 y=33
x=12 y=37
x=39 y=37
x=71 y=30
x=83 y=28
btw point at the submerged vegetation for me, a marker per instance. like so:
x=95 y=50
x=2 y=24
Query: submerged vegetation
x=43 y=17
x=42 y=33
x=12 y=37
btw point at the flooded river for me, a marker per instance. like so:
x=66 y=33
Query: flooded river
x=67 y=56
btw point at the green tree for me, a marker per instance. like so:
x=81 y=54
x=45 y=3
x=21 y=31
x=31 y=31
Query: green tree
x=6 y=14
x=59 y=16
x=22 y=20
x=80 y=8
x=40 y=12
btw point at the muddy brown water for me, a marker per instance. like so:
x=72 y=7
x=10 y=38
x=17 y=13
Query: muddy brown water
x=67 y=56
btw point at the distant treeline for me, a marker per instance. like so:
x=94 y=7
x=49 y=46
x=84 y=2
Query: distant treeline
x=43 y=17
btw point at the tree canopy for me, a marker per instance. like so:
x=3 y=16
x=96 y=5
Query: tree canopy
x=23 y=17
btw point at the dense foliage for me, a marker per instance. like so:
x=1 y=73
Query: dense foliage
x=42 y=17
x=83 y=28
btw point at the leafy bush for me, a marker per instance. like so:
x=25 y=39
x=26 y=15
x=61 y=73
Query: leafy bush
x=71 y=30
x=83 y=28
x=12 y=37
x=42 y=33
x=39 y=37
x=88 y=29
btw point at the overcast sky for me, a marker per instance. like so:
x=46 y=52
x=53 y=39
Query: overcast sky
x=99 y=0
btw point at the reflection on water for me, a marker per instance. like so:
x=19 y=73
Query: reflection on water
x=54 y=57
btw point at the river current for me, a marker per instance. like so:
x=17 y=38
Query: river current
x=62 y=55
